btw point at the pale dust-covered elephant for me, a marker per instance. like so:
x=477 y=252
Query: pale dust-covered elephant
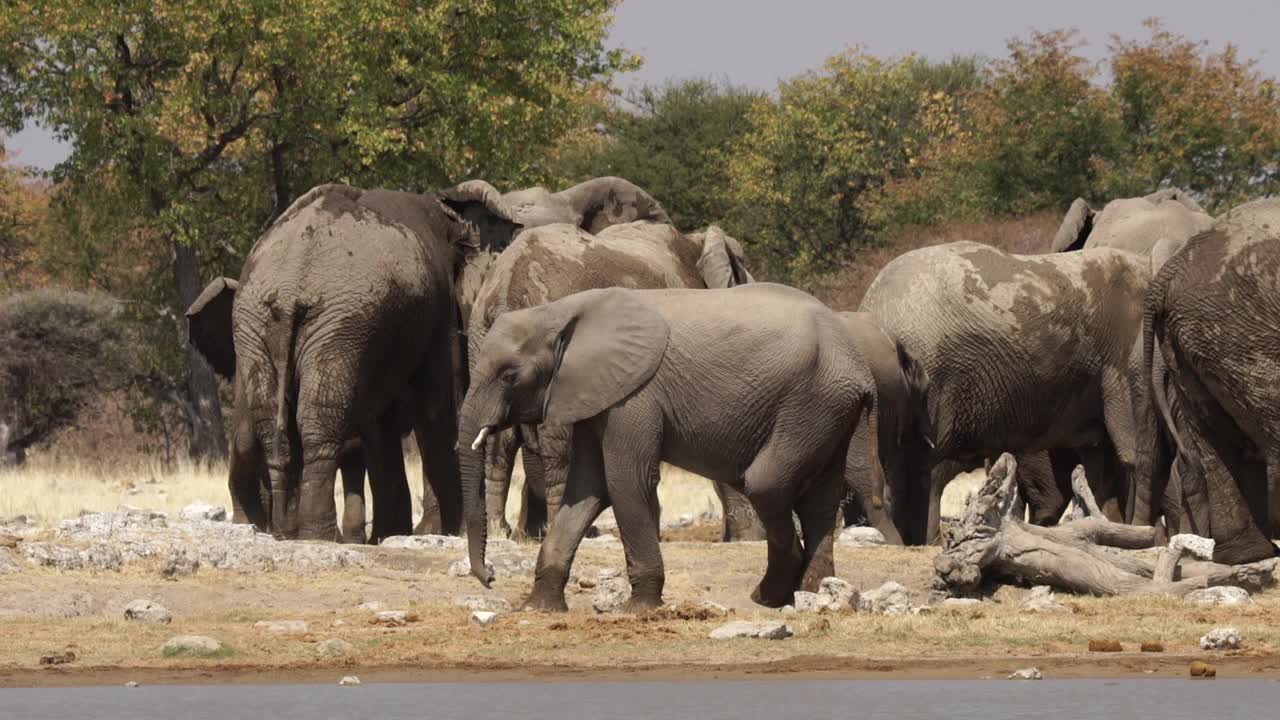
x=1211 y=316
x=1012 y=353
x=340 y=335
x=1133 y=224
x=647 y=376
x=553 y=261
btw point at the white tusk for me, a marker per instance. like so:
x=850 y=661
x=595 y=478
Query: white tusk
x=480 y=436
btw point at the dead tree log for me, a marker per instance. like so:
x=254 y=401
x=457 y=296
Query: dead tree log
x=1081 y=556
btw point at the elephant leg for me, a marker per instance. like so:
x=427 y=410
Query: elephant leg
x=817 y=510
x=317 y=518
x=499 y=460
x=1038 y=483
x=351 y=464
x=631 y=470
x=937 y=481
x=585 y=498
x=245 y=479
x=867 y=485
x=392 y=504
x=555 y=449
x=740 y=521
x=435 y=429
x=770 y=484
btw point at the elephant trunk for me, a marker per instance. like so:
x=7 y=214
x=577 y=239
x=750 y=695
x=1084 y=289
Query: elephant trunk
x=478 y=421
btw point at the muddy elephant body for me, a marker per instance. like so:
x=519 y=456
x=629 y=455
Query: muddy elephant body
x=1011 y=353
x=1211 y=318
x=695 y=378
x=554 y=261
x=340 y=336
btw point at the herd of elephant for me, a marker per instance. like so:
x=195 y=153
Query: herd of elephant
x=583 y=327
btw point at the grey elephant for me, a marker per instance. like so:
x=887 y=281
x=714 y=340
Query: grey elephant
x=1210 y=316
x=341 y=334
x=1013 y=353
x=757 y=386
x=555 y=261
x=1134 y=224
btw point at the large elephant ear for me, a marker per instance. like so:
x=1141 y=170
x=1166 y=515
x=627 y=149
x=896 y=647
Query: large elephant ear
x=721 y=262
x=610 y=343
x=1075 y=227
x=1178 y=195
x=1164 y=249
x=209 y=325
x=606 y=201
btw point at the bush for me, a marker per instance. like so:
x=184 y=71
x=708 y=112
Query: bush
x=59 y=350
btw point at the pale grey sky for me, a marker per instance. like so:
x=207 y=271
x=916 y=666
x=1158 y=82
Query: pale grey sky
x=758 y=42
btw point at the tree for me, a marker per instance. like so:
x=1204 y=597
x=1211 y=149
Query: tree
x=23 y=204
x=199 y=122
x=672 y=139
x=1206 y=122
x=829 y=141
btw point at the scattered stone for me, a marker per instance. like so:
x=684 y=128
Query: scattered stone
x=788 y=610
x=190 y=646
x=1219 y=595
x=1040 y=599
x=97 y=556
x=148 y=612
x=483 y=617
x=333 y=647
x=1225 y=638
x=860 y=537
x=1201 y=669
x=371 y=606
x=611 y=593
x=1152 y=647
x=686 y=610
x=607 y=574
x=836 y=594
x=716 y=607
x=482 y=602
x=179 y=562
x=203 y=511
x=1201 y=547
x=395 y=618
x=604 y=540
x=743 y=629
x=9 y=562
x=349 y=681
x=282 y=627
x=890 y=598
x=61 y=658
x=806 y=601
x=953 y=602
x=1105 y=646
x=425 y=542
x=925 y=610
x=1030 y=673
x=131 y=684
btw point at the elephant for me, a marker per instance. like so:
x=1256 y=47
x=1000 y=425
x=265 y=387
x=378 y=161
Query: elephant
x=756 y=386
x=555 y=261
x=1014 y=353
x=1134 y=224
x=1210 y=316
x=340 y=335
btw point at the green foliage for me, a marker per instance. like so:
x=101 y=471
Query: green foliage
x=830 y=138
x=61 y=349
x=674 y=139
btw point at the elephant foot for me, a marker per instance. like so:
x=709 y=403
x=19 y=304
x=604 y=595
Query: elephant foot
x=772 y=595
x=544 y=601
x=817 y=570
x=429 y=525
x=640 y=603
x=353 y=537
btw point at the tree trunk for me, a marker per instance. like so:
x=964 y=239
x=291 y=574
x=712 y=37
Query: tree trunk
x=208 y=438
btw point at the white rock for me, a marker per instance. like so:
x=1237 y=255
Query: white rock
x=715 y=607
x=857 y=536
x=193 y=645
x=605 y=540
x=203 y=511
x=482 y=602
x=333 y=647
x=282 y=627
x=371 y=606
x=1030 y=673
x=960 y=602
x=610 y=594
x=836 y=594
x=425 y=542
x=1201 y=547
x=349 y=681
x=744 y=629
x=392 y=617
x=890 y=598
x=1040 y=599
x=131 y=684
x=482 y=617
x=607 y=573
x=1219 y=595
x=148 y=612
x=1226 y=638
x=178 y=561
x=806 y=602
x=788 y=610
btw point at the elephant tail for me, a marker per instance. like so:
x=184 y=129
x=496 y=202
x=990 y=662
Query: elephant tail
x=1154 y=406
x=286 y=369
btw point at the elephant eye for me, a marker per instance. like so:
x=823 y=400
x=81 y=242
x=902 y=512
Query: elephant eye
x=508 y=376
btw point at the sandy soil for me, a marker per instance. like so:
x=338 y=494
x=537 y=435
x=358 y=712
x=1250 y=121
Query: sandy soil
x=46 y=611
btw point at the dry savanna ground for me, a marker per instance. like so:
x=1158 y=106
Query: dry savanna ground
x=48 y=612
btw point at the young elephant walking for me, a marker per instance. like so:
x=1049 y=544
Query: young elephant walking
x=759 y=387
